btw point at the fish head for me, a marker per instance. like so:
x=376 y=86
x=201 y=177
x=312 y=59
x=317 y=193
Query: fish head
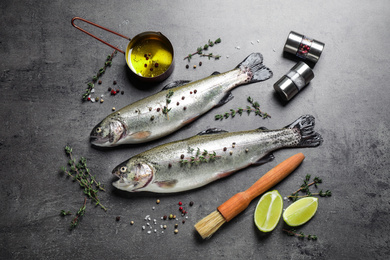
x=108 y=132
x=133 y=175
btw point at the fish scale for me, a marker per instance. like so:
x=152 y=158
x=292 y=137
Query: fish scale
x=162 y=170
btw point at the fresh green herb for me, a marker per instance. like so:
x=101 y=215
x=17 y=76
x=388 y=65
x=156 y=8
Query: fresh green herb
x=233 y=112
x=200 y=157
x=210 y=55
x=78 y=216
x=80 y=173
x=293 y=232
x=101 y=71
x=200 y=50
x=305 y=187
x=65 y=213
x=168 y=96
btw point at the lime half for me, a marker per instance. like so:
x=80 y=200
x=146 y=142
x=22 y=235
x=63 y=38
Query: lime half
x=268 y=211
x=300 y=211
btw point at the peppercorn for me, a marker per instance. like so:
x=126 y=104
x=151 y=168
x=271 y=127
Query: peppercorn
x=156 y=64
x=183 y=97
x=109 y=89
x=195 y=91
x=200 y=63
x=158 y=109
x=191 y=203
x=145 y=65
x=181 y=157
x=224 y=149
x=165 y=217
x=122 y=92
x=177 y=103
x=183 y=221
x=151 y=69
x=184 y=108
x=114 y=82
x=147 y=58
x=100 y=82
x=169 y=165
x=117 y=91
x=152 y=118
x=187 y=66
x=118 y=218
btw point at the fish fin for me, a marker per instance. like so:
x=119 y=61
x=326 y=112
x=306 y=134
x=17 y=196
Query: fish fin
x=212 y=131
x=263 y=128
x=305 y=127
x=141 y=135
x=229 y=96
x=166 y=184
x=215 y=73
x=269 y=157
x=175 y=84
x=257 y=70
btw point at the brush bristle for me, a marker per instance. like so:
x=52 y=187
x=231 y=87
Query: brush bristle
x=210 y=224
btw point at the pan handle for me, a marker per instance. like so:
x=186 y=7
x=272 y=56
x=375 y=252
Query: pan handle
x=101 y=27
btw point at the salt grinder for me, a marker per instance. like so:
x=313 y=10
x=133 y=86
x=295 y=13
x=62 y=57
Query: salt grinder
x=303 y=47
x=294 y=81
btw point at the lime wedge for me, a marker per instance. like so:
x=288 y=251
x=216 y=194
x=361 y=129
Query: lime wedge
x=300 y=211
x=268 y=211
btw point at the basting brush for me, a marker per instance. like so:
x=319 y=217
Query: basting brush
x=239 y=202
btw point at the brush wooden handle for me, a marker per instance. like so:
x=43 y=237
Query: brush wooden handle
x=240 y=201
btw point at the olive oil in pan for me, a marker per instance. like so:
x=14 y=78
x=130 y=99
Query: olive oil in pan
x=150 y=58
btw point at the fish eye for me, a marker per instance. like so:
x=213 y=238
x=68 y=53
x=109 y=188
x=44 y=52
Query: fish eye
x=98 y=130
x=123 y=169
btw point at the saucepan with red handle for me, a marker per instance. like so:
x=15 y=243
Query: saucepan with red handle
x=149 y=55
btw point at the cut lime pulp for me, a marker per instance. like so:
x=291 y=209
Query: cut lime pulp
x=300 y=211
x=268 y=211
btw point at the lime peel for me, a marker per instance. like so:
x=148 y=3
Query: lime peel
x=268 y=211
x=300 y=211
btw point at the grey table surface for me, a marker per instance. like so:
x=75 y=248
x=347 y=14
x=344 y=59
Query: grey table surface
x=46 y=64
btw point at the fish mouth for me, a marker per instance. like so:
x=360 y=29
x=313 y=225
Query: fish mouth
x=96 y=140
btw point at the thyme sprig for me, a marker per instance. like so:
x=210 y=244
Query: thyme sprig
x=78 y=216
x=200 y=50
x=293 y=232
x=200 y=157
x=305 y=187
x=95 y=78
x=233 y=112
x=168 y=96
x=210 y=55
x=65 y=213
x=80 y=173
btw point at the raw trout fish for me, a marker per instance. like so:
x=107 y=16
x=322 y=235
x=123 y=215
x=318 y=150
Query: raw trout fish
x=178 y=104
x=210 y=155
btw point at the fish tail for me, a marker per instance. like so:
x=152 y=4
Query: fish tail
x=254 y=67
x=305 y=128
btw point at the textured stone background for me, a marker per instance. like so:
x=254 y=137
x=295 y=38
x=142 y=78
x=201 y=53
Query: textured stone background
x=45 y=65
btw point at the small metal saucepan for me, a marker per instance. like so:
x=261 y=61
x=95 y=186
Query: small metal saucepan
x=149 y=55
